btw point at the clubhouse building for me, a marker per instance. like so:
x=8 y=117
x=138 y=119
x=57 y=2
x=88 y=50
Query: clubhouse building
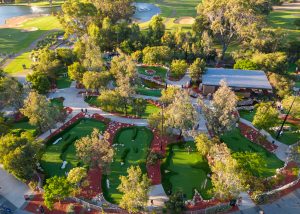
x=246 y=82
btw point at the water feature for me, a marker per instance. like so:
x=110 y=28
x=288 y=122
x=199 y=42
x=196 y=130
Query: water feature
x=145 y=11
x=7 y=12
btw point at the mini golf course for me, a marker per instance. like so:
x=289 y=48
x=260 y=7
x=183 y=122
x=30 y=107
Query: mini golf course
x=131 y=148
x=238 y=143
x=184 y=169
x=153 y=71
x=65 y=150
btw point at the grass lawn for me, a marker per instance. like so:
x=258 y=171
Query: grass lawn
x=247 y=115
x=288 y=137
x=24 y=126
x=284 y=19
x=42 y=3
x=149 y=92
x=136 y=141
x=150 y=108
x=159 y=71
x=238 y=143
x=63 y=82
x=13 y=40
x=53 y=157
x=185 y=171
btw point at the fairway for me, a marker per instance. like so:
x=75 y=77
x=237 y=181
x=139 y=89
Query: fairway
x=238 y=143
x=185 y=170
x=54 y=155
x=13 y=40
x=284 y=19
x=136 y=142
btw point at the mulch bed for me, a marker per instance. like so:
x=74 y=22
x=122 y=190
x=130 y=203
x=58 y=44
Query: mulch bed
x=255 y=137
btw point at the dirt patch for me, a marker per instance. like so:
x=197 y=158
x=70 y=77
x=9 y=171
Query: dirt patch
x=185 y=20
x=17 y=21
x=31 y=29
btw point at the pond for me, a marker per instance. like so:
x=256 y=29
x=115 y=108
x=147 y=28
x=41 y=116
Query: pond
x=7 y=12
x=144 y=11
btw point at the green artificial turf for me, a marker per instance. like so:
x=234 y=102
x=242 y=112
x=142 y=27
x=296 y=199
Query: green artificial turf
x=138 y=147
x=238 y=143
x=53 y=157
x=288 y=137
x=149 y=92
x=159 y=71
x=150 y=108
x=57 y=102
x=185 y=171
x=63 y=82
x=247 y=115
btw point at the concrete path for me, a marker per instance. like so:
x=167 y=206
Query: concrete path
x=12 y=189
x=158 y=195
x=281 y=152
x=246 y=202
x=186 y=79
x=289 y=204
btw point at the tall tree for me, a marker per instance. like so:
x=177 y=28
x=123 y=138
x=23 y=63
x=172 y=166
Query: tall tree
x=95 y=150
x=203 y=144
x=77 y=175
x=227 y=178
x=283 y=84
x=135 y=187
x=287 y=103
x=266 y=116
x=40 y=111
x=76 y=71
x=220 y=115
x=156 y=30
x=56 y=189
x=178 y=68
x=228 y=20
x=197 y=69
x=168 y=95
x=11 y=93
x=95 y=80
x=19 y=155
x=181 y=114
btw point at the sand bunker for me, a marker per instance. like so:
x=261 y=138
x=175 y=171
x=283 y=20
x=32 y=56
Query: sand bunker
x=31 y=29
x=185 y=20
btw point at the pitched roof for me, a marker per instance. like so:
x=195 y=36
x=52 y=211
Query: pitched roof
x=236 y=78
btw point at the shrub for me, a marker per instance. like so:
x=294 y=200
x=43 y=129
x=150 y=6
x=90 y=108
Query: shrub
x=153 y=157
x=71 y=209
x=33 y=185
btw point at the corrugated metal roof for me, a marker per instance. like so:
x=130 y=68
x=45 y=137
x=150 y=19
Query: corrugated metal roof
x=236 y=78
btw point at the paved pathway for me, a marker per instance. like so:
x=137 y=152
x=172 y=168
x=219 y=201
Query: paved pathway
x=12 y=190
x=158 y=195
x=289 y=204
x=186 y=79
x=281 y=151
x=246 y=202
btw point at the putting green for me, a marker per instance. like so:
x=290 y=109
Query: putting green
x=136 y=141
x=54 y=155
x=184 y=169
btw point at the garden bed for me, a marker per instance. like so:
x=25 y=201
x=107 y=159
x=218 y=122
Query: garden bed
x=131 y=147
x=153 y=70
x=184 y=169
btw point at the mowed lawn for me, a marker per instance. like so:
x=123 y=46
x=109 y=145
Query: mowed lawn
x=185 y=170
x=13 y=40
x=150 y=108
x=131 y=147
x=159 y=71
x=238 y=143
x=53 y=157
x=284 y=19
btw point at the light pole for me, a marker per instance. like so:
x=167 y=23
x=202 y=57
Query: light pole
x=285 y=118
